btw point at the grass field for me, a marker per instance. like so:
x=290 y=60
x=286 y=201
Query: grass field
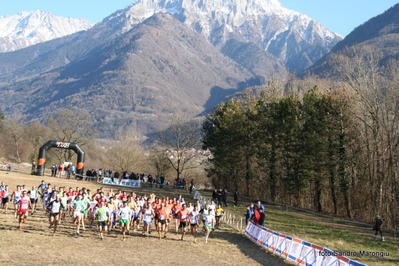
x=35 y=245
x=333 y=233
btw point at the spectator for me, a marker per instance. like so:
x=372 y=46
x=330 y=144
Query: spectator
x=256 y=216
x=262 y=217
x=215 y=195
x=259 y=205
x=236 y=194
x=162 y=181
x=224 y=197
x=250 y=213
x=219 y=199
x=378 y=227
x=191 y=186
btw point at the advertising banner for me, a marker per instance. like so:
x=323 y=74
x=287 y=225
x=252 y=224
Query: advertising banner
x=296 y=250
x=124 y=182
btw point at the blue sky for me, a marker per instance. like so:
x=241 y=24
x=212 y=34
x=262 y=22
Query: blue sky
x=340 y=16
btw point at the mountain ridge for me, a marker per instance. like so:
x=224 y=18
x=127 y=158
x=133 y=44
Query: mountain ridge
x=28 y=28
x=380 y=32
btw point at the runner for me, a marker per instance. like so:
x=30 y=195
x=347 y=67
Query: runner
x=15 y=197
x=168 y=209
x=78 y=207
x=23 y=208
x=204 y=213
x=209 y=224
x=113 y=208
x=102 y=216
x=71 y=197
x=5 y=198
x=54 y=208
x=183 y=217
x=86 y=207
x=64 y=207
x=136 y=215
x=162 y=220
x=133 y=206
x=176 y=209
x=147 y=216
x=125 y=213
x=219 y=212
x=34 y=195
x=194 y=218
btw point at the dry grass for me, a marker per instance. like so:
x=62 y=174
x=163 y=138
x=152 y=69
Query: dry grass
x=35 y=244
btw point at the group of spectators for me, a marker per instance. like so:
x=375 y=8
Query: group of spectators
x=256 y=213
x=61 y=170
x=220 y=196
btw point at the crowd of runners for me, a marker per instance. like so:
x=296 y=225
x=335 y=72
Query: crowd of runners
x=121 y=212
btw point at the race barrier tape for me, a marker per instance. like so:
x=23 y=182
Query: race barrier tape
x=124 y=182
x=299 y=251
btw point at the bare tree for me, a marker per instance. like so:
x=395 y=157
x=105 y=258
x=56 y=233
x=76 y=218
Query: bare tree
x=160 y=161
x=127 y=154
x=70 y=125
x=15 y=131
x=375 y=86
x=181 y=140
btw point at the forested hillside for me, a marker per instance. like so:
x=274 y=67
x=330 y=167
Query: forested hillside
x=326 y=146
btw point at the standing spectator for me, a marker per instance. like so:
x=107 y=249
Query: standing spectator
x=33 y=171
x=262 y=217
x=256 y=216
x=224 y=197
x=162 y=181
x=60 y=169
x=259 y=205
x=378 y=227
x=220 y=199
x=191 y=186
x=73 y=170
x=68 y=172
x=99 y=173
x=236 y=194
x=215 y=195
x=116 y=176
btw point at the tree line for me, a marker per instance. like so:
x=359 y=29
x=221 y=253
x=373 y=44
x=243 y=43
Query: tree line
x=326 y=145
x=172 y=154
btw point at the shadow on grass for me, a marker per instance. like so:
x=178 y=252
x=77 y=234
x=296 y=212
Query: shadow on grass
x=247 y=247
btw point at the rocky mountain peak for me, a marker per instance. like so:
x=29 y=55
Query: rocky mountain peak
x=29 y=28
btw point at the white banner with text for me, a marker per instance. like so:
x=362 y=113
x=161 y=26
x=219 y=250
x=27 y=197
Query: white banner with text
x=299 y=251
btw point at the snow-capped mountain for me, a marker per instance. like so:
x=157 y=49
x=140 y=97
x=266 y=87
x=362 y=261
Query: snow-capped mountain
x=294 y=38
x=29 y=28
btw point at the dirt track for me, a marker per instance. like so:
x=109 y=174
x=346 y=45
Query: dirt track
x=34 y=244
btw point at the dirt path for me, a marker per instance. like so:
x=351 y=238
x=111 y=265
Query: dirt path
x=34 y=244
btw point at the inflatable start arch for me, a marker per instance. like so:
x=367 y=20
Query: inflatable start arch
x=41 y=162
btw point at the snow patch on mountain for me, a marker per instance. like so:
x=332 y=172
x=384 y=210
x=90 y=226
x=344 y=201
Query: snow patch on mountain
x=29 y=28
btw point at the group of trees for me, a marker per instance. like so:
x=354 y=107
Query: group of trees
x=171 y=156
x=20 y=141
x=329 y=146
